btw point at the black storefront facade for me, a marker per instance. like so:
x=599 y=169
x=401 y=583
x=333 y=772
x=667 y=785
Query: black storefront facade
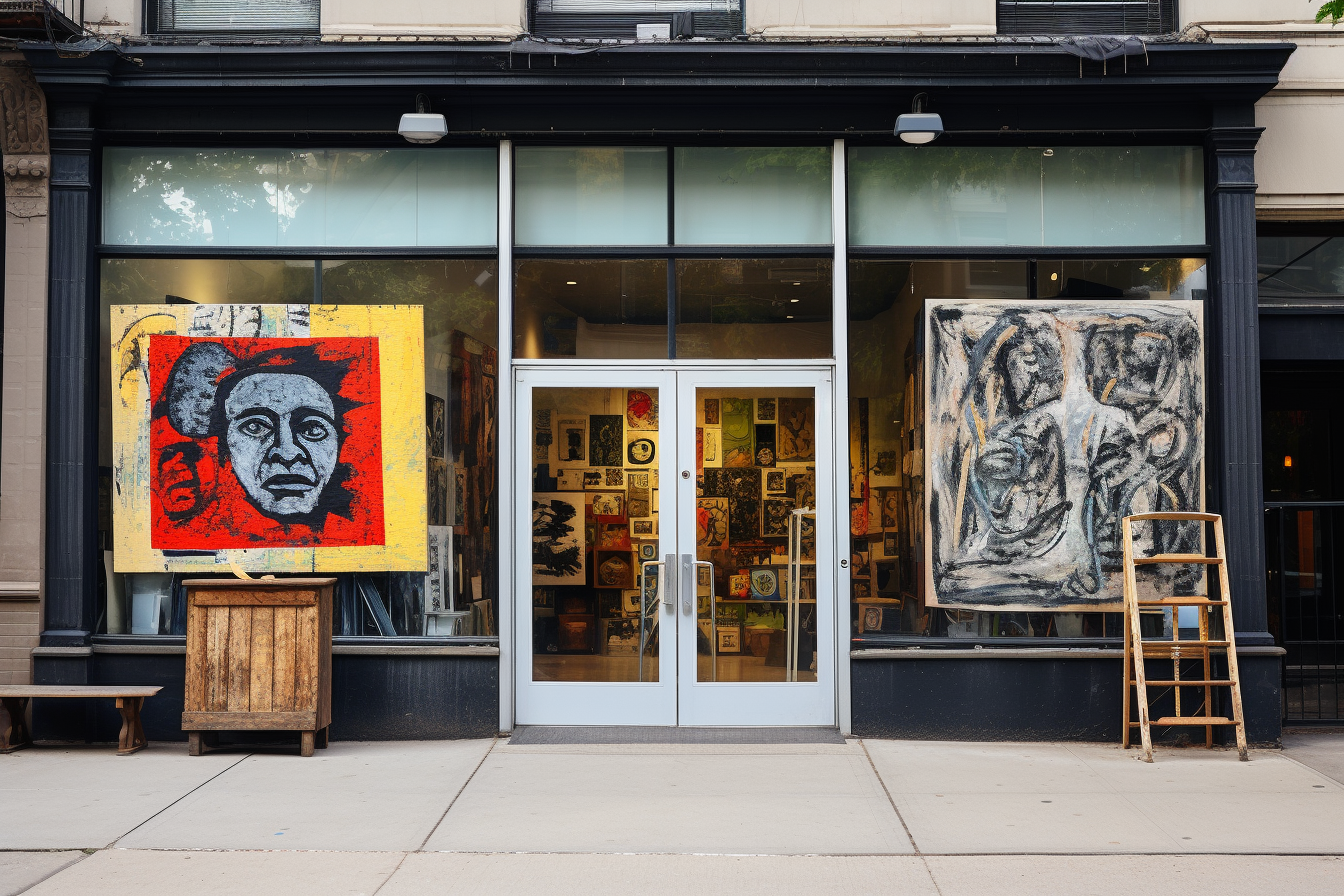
x=1012 y=680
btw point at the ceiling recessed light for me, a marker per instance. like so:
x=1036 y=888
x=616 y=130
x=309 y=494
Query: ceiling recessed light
x=788 y=317
x=1054 y=276
x=571 y=283
x=795 y=300
x=797 y=283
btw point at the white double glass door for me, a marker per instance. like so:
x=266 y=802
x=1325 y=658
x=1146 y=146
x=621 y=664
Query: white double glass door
x=675 y=546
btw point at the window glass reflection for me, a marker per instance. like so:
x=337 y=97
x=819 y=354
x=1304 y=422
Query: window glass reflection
x=1128 y=278
x=1301 y=267
x=590 y=309
x=754 y=308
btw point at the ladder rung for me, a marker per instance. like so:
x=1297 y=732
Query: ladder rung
x=1188 y=516
x=1177 y=558
x=1182 y=645
x=1201 y=721
x=1182 y=602
x=1186 y=684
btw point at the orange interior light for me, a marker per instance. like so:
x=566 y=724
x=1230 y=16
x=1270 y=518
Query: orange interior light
x=1287 y=460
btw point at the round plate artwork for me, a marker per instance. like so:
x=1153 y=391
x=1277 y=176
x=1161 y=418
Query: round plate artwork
x=640 y=451
x=764 y=582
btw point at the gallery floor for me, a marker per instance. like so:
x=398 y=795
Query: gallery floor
x=561 y=667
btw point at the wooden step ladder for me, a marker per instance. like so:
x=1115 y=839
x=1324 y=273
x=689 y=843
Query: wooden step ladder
x=1203 y=649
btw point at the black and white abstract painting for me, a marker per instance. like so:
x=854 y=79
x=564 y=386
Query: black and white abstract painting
x=558 y=542
x=1047 y=423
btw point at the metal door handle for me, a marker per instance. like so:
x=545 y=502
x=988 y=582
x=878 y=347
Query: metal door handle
x=713 y=622
x=688 y=587
x=668 y=587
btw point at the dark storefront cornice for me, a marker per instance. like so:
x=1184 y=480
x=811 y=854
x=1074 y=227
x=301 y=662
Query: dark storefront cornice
x=530 y=88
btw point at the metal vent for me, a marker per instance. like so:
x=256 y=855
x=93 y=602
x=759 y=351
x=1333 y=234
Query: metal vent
x=617 y=18
x=1087 y=16
x=217 y=16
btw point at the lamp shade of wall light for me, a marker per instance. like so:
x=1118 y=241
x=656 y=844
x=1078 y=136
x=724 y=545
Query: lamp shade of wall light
x=423 y=127
x=919 y=127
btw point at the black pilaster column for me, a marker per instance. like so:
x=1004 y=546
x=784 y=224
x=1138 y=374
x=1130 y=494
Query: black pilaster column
x=1233 y=325
x=72 y=551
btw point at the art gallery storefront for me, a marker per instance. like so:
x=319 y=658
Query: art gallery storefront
x=698 y=402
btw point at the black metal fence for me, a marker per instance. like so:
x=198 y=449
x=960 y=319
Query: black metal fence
x=1303 y=541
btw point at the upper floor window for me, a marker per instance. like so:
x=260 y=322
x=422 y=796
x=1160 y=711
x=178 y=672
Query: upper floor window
x=1087 y=16
x=224 y=16
x=632 y=19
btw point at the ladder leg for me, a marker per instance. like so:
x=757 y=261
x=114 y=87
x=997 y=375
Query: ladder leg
x=1127 y=689
x=1229 y=635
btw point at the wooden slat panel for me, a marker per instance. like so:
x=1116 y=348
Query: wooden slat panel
x=255 y=599
x=305 y=660
x=197 y=632
x=248 y=721
x=263 y=633
x=217 y=659
x=240 y=667
x=282 y=679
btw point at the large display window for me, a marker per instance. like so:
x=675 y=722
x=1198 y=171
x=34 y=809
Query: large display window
x=453 y=589
x=1003 y=415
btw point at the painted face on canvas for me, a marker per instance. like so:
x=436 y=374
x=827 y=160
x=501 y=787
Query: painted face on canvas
x=283 y=441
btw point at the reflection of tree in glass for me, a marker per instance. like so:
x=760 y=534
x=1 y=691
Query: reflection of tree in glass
x=550 y=531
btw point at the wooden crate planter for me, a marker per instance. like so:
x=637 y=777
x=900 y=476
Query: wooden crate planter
x=259 y=658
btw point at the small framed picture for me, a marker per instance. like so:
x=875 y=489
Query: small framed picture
x=644 y=528
x=648 y=550
x=730 y=638
x=630 y=602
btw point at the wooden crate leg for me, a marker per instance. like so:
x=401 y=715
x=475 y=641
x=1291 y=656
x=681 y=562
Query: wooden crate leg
x=14 y=733
x=307 y=742
x=193 y=743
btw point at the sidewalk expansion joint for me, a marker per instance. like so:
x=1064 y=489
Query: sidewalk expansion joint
x=457 y=795
x=208 y=780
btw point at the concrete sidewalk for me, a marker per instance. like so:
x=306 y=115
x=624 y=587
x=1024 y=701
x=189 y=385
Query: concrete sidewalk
x=865 y=816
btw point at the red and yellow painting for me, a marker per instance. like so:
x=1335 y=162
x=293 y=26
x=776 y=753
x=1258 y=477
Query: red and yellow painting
x=272 y=438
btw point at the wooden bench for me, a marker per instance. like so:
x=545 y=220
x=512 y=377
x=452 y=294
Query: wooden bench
x=14 y=733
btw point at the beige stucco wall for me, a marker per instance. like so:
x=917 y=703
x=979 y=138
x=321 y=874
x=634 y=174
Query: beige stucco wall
x=491 y=19
x=868 y=18
x=1303 y=116
x=26 y=163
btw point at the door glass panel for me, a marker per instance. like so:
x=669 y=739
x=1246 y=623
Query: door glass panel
x=755 y=534
x=594 y=529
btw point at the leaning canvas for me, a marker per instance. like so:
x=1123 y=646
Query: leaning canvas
x=274 y=438
x=1047 y=423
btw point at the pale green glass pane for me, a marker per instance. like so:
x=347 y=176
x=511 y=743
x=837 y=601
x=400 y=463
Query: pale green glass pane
x=189 y=197
x=1124 y=196
x=397 y=197
x=753 y=197
x=590 y=196
x=458 y=198
x=944 y=196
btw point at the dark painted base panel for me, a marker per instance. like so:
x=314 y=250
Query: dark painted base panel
x=374 y=697
x=1031 y=700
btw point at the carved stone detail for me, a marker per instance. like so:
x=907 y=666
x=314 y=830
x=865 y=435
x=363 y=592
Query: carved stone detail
x=26 y=162
x=25 y=110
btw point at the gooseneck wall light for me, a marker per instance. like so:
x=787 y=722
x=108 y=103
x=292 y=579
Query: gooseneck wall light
x=423 y=126
x=918 y=126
